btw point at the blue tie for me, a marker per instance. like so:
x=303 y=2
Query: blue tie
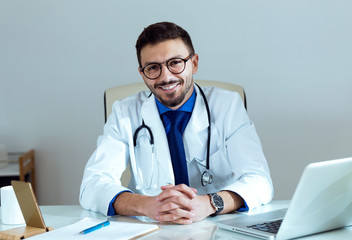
x=179 y=120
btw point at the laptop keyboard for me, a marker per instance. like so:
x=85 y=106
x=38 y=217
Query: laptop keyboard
x=271 y=227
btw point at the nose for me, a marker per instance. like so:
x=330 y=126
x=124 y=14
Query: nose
x=165 y=75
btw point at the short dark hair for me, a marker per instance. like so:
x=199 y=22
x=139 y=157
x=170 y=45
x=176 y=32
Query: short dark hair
x=160 y=32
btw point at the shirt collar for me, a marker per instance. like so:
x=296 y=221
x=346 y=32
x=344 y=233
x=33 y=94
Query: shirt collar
x=186 y=107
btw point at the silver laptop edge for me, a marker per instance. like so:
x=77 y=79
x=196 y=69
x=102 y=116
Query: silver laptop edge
x=321 y=202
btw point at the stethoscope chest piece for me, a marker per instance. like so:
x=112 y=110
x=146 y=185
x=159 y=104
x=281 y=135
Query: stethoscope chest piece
x=207 y=178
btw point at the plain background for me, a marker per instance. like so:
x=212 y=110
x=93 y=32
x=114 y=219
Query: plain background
x=57 y=57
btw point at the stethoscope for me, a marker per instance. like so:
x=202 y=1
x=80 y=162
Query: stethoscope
x=206 y=177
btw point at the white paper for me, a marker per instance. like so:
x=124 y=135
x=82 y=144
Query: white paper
x=115 y=231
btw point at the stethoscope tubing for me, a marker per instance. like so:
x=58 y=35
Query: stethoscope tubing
x=209 y=127
x=135 y=136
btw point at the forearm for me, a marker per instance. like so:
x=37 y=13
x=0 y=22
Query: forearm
x=232 y=201
x=130 y=204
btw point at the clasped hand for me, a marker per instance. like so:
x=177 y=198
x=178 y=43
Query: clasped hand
x=179 y=204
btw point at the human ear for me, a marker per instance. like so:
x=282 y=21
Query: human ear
x=140 y=72
x=195 y=59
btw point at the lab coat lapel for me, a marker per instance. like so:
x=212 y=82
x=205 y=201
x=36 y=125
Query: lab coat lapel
x=151 y=117
x=196 y=132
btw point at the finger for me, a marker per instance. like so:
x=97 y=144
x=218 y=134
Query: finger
x=171 y=185
x=191 y=192
x=166 y=207
x=183 y=221
x=176 y=215
x=177 y=190
x=175 y=203
x=166 y=218
x=173 y=196
x=166 y=186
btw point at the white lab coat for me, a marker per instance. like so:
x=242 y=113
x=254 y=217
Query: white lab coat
x=237 y=162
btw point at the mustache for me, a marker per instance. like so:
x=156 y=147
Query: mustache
x=167 y=83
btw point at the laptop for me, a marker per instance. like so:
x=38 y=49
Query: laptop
x=322 y=201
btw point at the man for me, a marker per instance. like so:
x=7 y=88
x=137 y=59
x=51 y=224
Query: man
x=166 y=175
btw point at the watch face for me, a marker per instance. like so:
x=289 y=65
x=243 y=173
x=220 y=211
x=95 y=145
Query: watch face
x=218 y=201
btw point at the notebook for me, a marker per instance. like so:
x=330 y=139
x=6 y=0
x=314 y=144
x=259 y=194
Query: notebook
x=117 y=230
x=322 y=201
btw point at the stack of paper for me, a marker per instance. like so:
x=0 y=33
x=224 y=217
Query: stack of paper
x=115 y=231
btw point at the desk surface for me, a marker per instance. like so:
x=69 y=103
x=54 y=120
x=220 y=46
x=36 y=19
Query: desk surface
x=59 y=216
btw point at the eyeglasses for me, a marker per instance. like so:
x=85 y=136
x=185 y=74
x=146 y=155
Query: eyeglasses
x=175 y=66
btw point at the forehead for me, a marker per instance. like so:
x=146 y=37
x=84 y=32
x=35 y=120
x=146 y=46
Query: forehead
x=163 y=51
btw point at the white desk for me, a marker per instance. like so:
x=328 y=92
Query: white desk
x=59 y=216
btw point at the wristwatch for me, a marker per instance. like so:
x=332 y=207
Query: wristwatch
x=217 y=203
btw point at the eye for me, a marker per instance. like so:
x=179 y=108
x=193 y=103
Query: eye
x=175 y=62
x=152 y=67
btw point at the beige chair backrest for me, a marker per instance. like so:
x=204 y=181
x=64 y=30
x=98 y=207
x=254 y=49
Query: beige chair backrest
x=123 y=91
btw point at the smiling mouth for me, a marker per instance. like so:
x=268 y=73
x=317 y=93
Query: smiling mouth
x=169 y=87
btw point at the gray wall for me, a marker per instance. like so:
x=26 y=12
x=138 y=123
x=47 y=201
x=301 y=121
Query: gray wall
x=57 y=57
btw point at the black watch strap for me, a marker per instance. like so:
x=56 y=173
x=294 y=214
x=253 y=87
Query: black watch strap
x=217 y=202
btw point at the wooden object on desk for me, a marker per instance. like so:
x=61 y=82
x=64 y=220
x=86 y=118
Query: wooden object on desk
x=27 y=166
x=31 y=213
x=21 y=233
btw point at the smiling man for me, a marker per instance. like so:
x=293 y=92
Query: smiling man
x=172 y=90
x=166 y=174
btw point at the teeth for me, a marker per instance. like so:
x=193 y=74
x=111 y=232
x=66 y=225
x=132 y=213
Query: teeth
x=169 y=87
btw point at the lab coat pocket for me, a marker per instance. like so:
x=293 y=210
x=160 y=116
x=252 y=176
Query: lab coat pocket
x=200 y=152
x=223 y=174
x=220 y=169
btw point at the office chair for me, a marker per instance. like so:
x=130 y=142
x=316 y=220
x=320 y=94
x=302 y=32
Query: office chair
x=27 y=168
x=123 y=91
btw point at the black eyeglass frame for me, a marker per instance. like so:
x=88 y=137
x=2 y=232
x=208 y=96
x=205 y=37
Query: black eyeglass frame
x=167 y=65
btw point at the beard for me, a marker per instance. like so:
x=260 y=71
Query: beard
x=171 y=100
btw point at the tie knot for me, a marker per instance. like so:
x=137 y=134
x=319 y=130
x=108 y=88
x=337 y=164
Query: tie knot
x=179 y=119
x=176 y=117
